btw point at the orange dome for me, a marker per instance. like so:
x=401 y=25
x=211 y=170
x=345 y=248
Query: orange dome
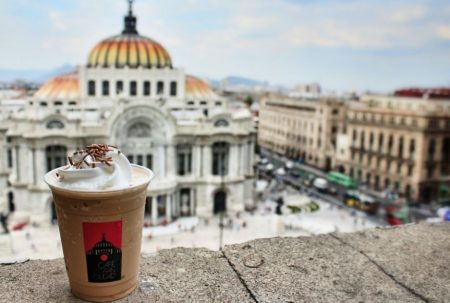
x=196 y=88
x=129 y=49
x=63 y=87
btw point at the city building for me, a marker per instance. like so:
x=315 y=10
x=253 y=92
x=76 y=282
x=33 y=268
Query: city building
x=130 y=94
x=399 y=142
x=301 y=129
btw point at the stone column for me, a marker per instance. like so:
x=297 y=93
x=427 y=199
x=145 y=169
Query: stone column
x=154 y=210
x=161 y=159
x=233 y=161
x=191 y=198
x=170 y=160
x=251 y=154
x=196 y=158
x=206 y=161
x=33 y=166
x=169 y=207
x=41 y=164
x=173 y=200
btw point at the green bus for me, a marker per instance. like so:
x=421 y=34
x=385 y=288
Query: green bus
x=341 y=179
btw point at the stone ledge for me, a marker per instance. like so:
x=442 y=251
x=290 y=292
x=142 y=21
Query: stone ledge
x=405 y=264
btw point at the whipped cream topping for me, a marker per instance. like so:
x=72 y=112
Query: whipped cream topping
x=96 y=168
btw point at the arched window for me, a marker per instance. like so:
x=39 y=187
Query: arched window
x=56 y=155
x=55 y=124
x=220 y=155
x=139 y=130
x=91 y=88
x=221 y=123
x=72 y=103
x=184 y=159
x=58 y=103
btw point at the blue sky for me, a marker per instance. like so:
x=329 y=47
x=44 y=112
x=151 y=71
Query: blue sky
x=344 y=45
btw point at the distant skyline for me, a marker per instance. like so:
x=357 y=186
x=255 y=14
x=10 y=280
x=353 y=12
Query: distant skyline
x=343 y=45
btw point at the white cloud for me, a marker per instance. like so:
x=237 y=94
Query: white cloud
x=443 y=31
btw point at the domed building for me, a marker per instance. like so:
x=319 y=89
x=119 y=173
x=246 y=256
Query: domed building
x=130 y=94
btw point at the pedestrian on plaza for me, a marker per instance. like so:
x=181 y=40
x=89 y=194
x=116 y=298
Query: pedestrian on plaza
x=244 y=224
x=4 y=222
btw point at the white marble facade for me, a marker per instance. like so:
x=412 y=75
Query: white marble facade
x=184 y=132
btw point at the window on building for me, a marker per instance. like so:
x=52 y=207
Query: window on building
x=91 y=88
x=130 y=158
x=370 y=140
x=335 y=112
x=119 y=87
x=58 y=103
x=10 y=158
x=399 y=168
x=362 y=139
x=412 y=148
x=390 y=144
x=184 y=159
x=380 y=142
x=149 y=161
x=218 y=103
x=146 y=88
x=354 y=136
x=430 y=171
x=220 y=151
x=55 y=124
x=56 y=156
x=400 y=148
x=173 y=88
x=410 y=170
x=105 y=88
x=203 y=103
x=72 y=103
x=160 y=88
x=221 y=123
x=431 y=149
x=140 y=160
x=133 y=88
x=433 y=123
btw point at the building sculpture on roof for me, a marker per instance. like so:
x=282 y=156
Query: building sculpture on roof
x=130 y=94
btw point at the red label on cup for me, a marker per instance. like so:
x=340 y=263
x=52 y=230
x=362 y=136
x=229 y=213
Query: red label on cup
x=103 y=247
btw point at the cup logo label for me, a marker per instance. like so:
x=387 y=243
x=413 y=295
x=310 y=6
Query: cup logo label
x=103 y=247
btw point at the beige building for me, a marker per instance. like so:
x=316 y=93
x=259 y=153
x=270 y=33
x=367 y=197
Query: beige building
x=398 y=142
x=303 y=129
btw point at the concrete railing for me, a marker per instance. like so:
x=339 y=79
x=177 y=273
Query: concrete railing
x=405 y=264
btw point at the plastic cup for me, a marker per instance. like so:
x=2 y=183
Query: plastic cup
x=101 y=234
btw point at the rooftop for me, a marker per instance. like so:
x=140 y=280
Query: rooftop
x=404 y=264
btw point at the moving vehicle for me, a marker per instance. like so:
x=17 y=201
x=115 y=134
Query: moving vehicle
x=360 y=201
x=342 y=179
x=321 y=184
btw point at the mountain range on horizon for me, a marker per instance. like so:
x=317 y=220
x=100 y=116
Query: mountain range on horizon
x=42 y=75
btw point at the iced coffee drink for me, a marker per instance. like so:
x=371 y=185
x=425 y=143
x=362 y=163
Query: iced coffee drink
x=100 y=200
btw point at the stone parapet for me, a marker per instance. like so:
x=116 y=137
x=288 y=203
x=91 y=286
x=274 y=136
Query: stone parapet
x=405 y=264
